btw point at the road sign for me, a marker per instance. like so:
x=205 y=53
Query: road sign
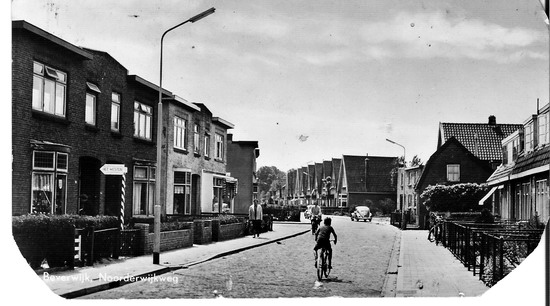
x=113 y=169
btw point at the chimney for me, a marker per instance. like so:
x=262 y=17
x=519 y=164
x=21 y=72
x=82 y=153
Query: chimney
x=230 y=137
x=492 y=120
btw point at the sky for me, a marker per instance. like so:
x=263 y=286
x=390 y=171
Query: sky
x=314 y=80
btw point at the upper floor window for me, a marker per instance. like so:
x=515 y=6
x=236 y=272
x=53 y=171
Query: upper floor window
x=48 y=89
x=143 y=115
x=543 y=129
x=219 y=146
x=196 y=139
x=529 y=141
x=505 y=154
x=115 y=111
x=207 y=145
x=180 y=126
x=91 y=103
x=453 y=173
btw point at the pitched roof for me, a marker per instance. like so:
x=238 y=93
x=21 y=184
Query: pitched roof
x=354 y=167
x=533 y=160
x=327 y=168
x=379 y=173
x=430 y=164
x=484 y=140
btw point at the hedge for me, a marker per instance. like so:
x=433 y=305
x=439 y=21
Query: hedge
x=51 y=237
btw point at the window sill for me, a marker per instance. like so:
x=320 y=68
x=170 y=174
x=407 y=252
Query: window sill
x=91 y=128
x=45 y=116
x=183 y=151
x=206 y=157
x=197 y=154
x=218 y=160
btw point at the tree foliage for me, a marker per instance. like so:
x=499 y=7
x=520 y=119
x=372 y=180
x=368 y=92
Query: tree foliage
x=454 y=198
x=270 y=181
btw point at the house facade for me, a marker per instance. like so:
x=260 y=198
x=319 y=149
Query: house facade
x=451 y=164
x=407 y=197
x=76 y=109
x=519 y=186
x=241 y=164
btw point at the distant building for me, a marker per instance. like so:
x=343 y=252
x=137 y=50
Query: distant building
x=407 y=197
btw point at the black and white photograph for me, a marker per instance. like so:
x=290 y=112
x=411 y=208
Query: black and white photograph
x=240 y=151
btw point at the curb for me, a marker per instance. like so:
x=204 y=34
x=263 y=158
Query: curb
x=165 y=269
x=393 y=268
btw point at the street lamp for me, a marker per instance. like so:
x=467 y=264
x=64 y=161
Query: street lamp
x=156 y=246
x=403 y=224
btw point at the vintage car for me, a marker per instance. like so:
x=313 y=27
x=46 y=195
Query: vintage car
x=361 y=213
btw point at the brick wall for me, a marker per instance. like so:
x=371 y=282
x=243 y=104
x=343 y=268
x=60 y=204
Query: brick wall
x=202 y=231
x=170 y=240
x=230 y=231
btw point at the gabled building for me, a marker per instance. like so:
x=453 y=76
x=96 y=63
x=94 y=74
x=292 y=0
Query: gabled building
x=520 y=184
x=481 y=139
x=365 y=178
x=451 y=164
x=407 y=197
x=336 y=163
x=241 y=164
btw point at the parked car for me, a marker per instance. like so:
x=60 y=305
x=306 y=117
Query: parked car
x=361 y=213
x=307 y=213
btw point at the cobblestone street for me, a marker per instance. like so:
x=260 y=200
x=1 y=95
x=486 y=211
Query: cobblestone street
x=282 y=269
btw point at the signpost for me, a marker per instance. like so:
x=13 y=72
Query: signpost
x=118 y=169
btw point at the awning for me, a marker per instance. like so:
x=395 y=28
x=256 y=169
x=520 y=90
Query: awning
x=488 y=195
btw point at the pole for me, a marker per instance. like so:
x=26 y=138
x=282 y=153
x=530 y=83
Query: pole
x=158 y=187
x=122 y=199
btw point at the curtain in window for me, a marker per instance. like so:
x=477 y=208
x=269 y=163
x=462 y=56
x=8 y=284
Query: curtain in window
x=137 y=199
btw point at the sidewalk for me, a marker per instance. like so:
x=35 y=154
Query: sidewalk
x=427 y=270
x=82 y=281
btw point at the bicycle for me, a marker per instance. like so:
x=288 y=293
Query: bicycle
x=315 y=221
x=322 y=265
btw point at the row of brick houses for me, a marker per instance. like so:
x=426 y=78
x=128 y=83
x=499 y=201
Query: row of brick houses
x=513 y=159
x=75 y=109
x=349 y=181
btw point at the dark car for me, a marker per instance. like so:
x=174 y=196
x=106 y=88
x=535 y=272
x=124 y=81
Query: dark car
x=361 y=213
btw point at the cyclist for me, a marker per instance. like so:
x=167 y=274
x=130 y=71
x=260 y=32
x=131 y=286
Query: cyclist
x=315 y=217
x=322 y=238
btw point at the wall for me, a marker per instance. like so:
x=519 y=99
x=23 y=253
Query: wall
x=241 y=159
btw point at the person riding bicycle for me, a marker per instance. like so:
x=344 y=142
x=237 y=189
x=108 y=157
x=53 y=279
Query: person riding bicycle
x=322 y=238
x=315 y=216
x=435 y=229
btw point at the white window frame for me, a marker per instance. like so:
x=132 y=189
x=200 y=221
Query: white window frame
x=207 y=145
x=143 y=117
x=180 y=133
x=115 y=111
x=196 y=138
x=57 y=185
x=529 y=141
x=542 y=122
x=49 y=102
x=219 y=146
x=453 y=176
x=90 y=109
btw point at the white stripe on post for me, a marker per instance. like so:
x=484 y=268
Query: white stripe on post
x=122 y=197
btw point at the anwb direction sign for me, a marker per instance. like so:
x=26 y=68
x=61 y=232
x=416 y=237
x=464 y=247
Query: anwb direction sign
x=113 y=169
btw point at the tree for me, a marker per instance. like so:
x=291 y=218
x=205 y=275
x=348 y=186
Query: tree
x=454 y=198
x=270 y=181
x=416 y=161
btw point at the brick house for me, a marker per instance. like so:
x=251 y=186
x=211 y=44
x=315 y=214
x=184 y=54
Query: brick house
x=451 y=164
x=73 y=110
x=241 y=164
x=364 y=179
x=519 y=186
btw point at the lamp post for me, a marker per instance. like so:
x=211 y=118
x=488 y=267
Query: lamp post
x=403 y=223
x=158 y=189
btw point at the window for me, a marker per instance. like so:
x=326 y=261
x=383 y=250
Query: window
x=143 y=115
x=179 y=133
x=217 y=194
x=49 y=182
x=453 y=173
x=90 y=108
x=541 y=200
x=182 y=193
x=144 y=190
x=529 y=137
x=48 y=89
x=505 y=154
x=196 y=139
x=219 y=147
x=207 y=145
x=543 y=129
x=115 y=112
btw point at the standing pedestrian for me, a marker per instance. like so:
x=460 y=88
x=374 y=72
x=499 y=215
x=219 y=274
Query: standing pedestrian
x=255 y=216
